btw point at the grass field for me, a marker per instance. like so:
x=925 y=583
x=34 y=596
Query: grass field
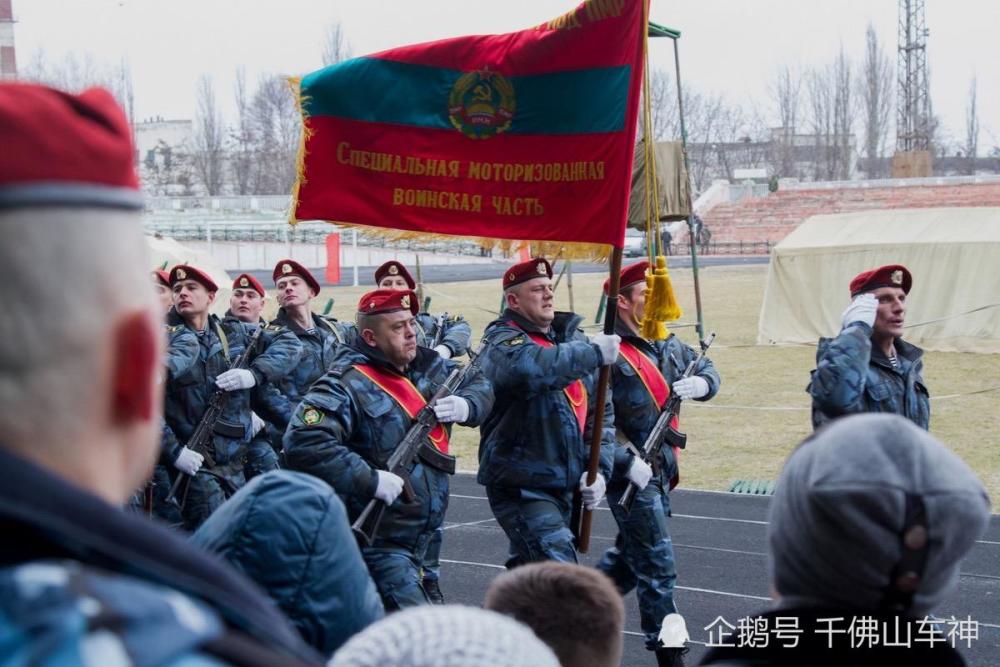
x=732 y=437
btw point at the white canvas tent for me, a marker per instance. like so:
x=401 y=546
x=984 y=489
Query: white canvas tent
x=168 y=251
x=953 y=254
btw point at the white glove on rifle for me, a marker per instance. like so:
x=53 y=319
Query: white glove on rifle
x=235 y=379
x=451 y=409
x=639 y=473
x=443 y=351
x=692 y=387
x=256 y=424
x=591 y=494
x=389 y=487
x=862 y=309
x=609 y=346
x=189 y=461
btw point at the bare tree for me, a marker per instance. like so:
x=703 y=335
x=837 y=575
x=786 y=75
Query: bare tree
x=244 y=165
x=276 y=125
x=832 y=113
x=876 y=93
x=845 y=110
x=335 y=46
x=972 y=129
x=821 y=113
x=786 y=95
x=208 y=154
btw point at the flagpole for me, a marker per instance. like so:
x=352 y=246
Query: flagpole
x=603 y=380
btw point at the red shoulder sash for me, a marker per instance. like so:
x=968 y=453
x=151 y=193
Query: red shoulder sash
x=407 y=396
x=652 y=378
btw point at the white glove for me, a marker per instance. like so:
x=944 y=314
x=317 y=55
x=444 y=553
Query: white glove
x=256 y=424
x=609 y=346
x=592 y=494
x=451 y=409
x=639 y=473
x=236 y=378
x=692 y=387
x=443 y=351
x=862 y=309
x=389 y=487
x=189 y=461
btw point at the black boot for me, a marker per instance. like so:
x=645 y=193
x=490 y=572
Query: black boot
x=433 y=591
x=670 y=657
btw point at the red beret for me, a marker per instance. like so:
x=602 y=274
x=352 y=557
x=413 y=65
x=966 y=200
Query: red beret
x=394 y=268
x=65 y=150
x=383 y=301
x=536 y=267
x=630 y=275
x=186 y=272
x=892 y=275
x=246 y=281
x=289 y=267
x=162 y=277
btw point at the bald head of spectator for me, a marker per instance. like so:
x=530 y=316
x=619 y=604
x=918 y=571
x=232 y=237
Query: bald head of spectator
x=576 y=610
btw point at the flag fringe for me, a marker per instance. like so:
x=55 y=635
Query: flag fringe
x=295 y=85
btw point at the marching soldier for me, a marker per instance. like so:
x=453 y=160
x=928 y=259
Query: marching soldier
x=319 y=335
x=641 y=382
x=449 y=337
x=535 y=443
x=352 y=419
x=188 y=394
x=869 y=367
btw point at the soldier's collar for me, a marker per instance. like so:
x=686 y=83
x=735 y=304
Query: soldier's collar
x=524 y=323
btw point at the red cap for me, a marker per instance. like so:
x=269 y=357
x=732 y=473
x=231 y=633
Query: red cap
x=536 y=267
x=394 y=268
x=186 y=272
x=630 y=275
x=383 y=301
x=289 y=267
x=891 y=275
x=65 y=150
x=246 y=281
x=162 y=277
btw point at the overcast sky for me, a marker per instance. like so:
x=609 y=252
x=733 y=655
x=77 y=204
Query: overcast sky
x=732 y=47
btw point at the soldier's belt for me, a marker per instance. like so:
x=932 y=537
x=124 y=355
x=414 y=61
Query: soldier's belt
x=435 y=458
x=228 y=430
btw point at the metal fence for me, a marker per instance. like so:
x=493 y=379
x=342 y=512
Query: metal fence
x=725 y=248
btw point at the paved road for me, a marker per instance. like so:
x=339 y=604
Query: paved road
x=720 y=543
x=448 y=273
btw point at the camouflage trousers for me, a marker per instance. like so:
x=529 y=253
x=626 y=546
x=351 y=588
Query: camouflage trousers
x=643 y=556
x=397 y=573
x=260 y=457
x=205 y=493
x=432 y=557
x=536 y=523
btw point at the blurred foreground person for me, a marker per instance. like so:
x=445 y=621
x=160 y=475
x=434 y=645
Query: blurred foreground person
x=576 y=610
x=81 y=343
x=870 y=520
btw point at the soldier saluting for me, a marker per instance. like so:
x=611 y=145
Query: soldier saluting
x=642 y=380
x=868 y=367
x=188 y=393
x=352 y=419
x=534 y=445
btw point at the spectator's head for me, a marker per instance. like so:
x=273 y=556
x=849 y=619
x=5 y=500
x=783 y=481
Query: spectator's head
x=81 y=335
x=869 y=509
x=445 y=636
x=528 y=291
x=576 y=610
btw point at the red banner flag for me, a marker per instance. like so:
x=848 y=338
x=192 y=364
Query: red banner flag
x=526 y=136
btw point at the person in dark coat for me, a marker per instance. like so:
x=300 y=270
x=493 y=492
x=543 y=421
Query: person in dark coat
x=870 y=521
x=869 y=367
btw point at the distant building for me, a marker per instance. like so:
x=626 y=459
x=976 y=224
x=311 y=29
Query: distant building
x=8 y=57
x=163 y=155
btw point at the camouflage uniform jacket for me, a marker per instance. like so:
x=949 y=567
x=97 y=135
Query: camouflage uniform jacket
x=635 y=413
x=83 y=583
x=346 y=428
x=188 y=394
x=532 y=438
x=456 y=333
x=319 y=347
x=183 y=350
x=853 y=376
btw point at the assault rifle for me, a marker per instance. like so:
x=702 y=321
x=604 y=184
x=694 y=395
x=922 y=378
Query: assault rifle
x=401 y=460
x=663 y=430
x=201 y=440
x=440 y=320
